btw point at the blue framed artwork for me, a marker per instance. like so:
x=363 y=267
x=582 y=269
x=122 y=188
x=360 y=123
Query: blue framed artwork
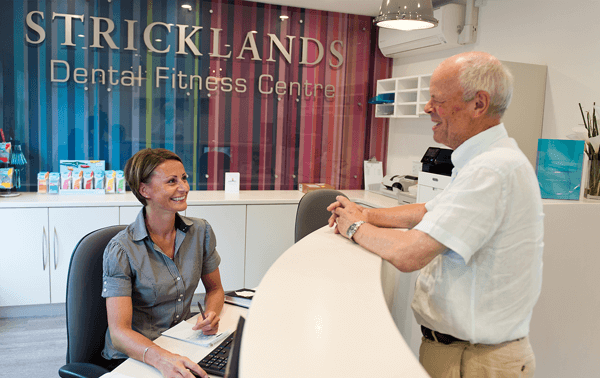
x=559 y=168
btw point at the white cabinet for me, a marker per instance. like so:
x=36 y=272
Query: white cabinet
x=37 y=248
x=127 y=214
x=410 y=95
x=430 y=185
x=25 y=260
x=67 y=226
x=270 y=232
x=229 y=225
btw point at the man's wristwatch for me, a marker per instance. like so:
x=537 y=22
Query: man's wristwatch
x=353 y=228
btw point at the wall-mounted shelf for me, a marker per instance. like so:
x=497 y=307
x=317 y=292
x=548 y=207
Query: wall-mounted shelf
x=411 y=93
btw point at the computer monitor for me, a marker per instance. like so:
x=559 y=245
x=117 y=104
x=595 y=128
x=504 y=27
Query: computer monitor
x=233 y=363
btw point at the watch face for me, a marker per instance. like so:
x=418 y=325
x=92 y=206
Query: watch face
x=350 y=230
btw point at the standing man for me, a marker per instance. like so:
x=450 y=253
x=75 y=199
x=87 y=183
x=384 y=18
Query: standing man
x=478 y=243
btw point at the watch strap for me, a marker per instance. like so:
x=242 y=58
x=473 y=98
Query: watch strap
x=353 y=228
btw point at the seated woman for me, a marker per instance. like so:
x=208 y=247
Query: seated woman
x=152 y=268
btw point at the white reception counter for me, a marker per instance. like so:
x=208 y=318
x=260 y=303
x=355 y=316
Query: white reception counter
x=320 y=311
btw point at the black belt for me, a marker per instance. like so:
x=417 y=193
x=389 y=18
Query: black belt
x=439 y=337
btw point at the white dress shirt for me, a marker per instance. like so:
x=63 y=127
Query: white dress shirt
x=484 y=287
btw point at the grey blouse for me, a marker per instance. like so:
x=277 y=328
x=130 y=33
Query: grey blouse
x=161 y=289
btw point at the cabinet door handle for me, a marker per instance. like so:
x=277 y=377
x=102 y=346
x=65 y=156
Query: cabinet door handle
x=44 y=248
x=55 y=250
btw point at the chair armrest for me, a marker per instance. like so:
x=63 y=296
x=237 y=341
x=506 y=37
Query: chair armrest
x=81 y=370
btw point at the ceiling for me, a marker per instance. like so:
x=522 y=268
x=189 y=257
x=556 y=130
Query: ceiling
x=362 y=7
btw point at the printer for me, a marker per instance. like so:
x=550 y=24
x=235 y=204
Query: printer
x=397 y=186
x=435 y=174
x=437 y=160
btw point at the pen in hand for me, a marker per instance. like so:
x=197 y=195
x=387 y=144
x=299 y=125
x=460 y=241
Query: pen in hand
x=201 y=310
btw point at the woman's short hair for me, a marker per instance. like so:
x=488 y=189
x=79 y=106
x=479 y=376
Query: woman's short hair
x=139 y=168
x=485 y=73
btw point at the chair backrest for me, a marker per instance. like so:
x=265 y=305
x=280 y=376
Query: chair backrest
x=312 y=211
x=85 y=307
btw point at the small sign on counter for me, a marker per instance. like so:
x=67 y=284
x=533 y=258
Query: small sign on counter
x=232 y=182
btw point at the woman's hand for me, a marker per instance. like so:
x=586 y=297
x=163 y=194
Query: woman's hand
x=173 y=365
x=209 y=325
x=213 y=301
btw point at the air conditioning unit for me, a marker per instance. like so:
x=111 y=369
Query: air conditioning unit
x=398 y=43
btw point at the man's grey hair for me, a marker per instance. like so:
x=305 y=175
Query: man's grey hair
x=482 y=73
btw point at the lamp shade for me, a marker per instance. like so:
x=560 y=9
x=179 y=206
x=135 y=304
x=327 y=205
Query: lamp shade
x=406 y=15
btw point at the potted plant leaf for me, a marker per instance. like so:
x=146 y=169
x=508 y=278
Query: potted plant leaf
x=592 y=150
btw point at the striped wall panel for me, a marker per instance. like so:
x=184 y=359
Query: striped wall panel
x=225 y=124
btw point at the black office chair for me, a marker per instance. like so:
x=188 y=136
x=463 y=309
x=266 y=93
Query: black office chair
x=86 y=308
x=312 y=211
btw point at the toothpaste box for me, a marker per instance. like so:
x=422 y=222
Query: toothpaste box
x=6 y=178
x=42 y=179
x=99 y=179
x=5 y=149
x=88 y=180
x=120 y=177
x=53 y=182
x=65 y=180
x=77 y=178
x=111 y=177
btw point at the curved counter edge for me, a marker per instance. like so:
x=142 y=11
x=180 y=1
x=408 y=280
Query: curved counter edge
x=320 y=311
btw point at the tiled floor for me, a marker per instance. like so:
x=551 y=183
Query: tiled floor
x=37 y=346
x=32 y=347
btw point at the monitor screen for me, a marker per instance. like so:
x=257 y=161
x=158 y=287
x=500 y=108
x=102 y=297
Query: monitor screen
x=233 y=363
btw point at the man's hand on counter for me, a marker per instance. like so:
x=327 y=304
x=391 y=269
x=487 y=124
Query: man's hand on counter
x=344 y=213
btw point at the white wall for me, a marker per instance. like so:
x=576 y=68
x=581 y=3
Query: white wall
x=555 y=33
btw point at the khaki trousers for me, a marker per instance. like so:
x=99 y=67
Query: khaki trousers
x=464 y=360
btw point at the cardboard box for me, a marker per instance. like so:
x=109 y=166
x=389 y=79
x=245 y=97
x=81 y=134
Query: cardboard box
x=309 y=187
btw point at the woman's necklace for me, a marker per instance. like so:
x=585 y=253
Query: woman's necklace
x=167 y=245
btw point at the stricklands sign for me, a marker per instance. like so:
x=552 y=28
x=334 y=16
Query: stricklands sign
x=312 y=53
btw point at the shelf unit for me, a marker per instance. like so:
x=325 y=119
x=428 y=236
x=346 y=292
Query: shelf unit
x=411 y=94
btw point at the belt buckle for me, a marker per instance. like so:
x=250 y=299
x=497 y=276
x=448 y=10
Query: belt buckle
x=435 y=336
x=428 y=333
x=444 y=339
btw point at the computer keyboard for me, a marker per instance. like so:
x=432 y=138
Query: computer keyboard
x=216 y=361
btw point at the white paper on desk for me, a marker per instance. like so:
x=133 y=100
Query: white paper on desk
x=183 y=331
x=232 y=182
x=245 y=293
x=373 y=174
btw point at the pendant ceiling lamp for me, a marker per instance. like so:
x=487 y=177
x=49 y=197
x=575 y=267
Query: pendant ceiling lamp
x=406 y=15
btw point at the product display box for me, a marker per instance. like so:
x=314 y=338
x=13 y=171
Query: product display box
x=82 y=176
x=305 y=188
